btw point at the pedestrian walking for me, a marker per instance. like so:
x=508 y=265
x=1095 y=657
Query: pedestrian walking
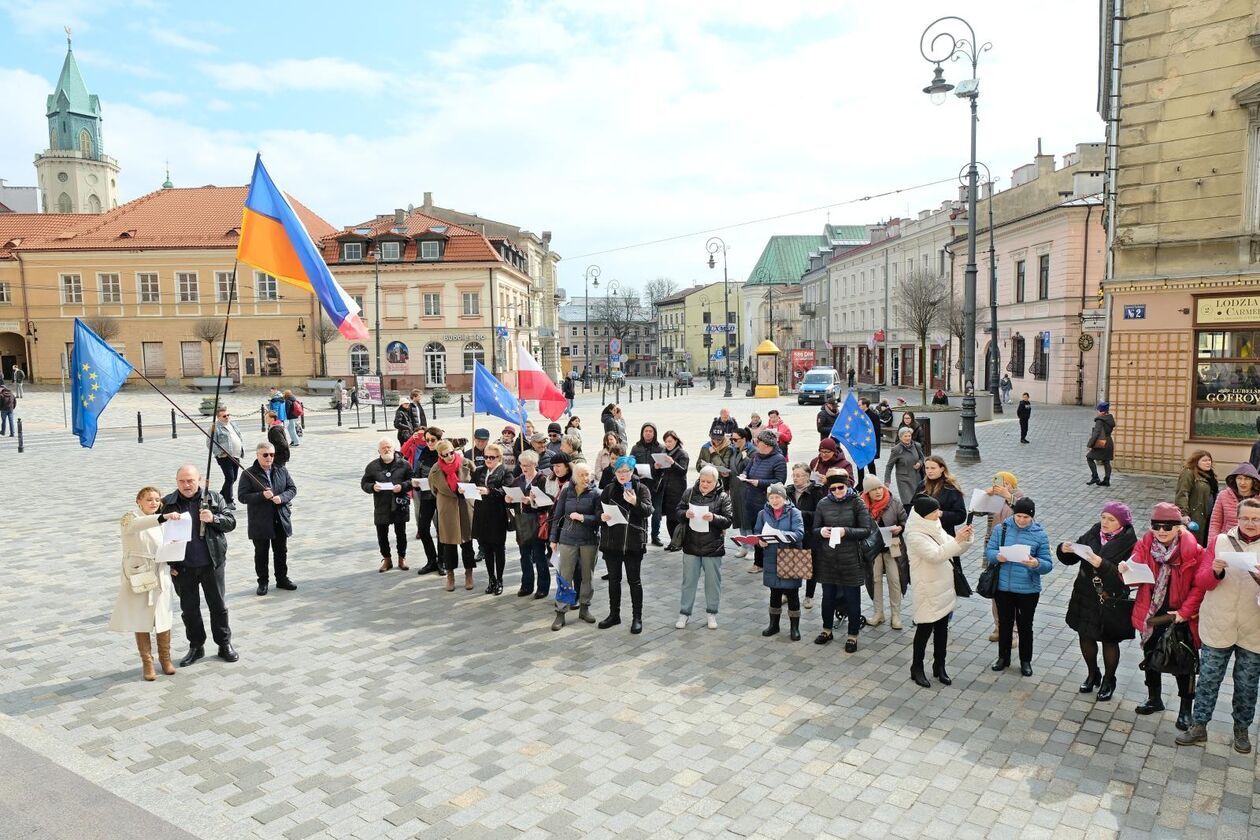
x=454 y=522
x=1019 y=581
x=278 y=438
x=575 y=538
x=1101 y=447
x=569 y=391
x=838 y=564
x=931 y=550
x=144 y=598
x=226 y=443
x=275 y=401
x=1174 y=557
x=1242 y=483
x=490 y=515
x=852 y=377
x=891 y=562
x=766 y=468
x=642 y=453
x=780 y=514
x=267 y=492
x=1197 y=489
x=8 y=403
x=905 y=458
x=339 y=393
x=673 y=483
x=703 y=547
x=624 y=544
x=1098 y=583
x=388 y=478
x=806 y=494
x=1024 y=412
x=531 y=525
x=19 y=377
x=294 y=411
x=1004 y=386
x=201 y=569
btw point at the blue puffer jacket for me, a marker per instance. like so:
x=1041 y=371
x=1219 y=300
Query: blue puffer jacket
x=791 y=523
x=1016 y=577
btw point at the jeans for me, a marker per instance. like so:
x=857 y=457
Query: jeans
x=633 y=564
x=692 y=567
x=571 y=556
x=1212 y=662
x=1016 y=608
x=534 y=560
x=852 y=596
x=6 y=419
x=290 y=426
x=279 y=545
x=230 y=469
x=569 y=408
x=400 y=537
x=189 y=584
x=939 y=631
x=426 y=510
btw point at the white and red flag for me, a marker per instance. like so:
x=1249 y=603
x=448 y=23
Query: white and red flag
x=533 y=383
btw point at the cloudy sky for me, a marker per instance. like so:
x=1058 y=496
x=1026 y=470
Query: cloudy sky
x=610 y=124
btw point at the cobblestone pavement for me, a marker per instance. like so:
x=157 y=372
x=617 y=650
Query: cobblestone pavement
x=379 y=705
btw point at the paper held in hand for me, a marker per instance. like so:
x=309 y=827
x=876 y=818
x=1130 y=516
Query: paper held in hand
x=541 y=499
x=887 y=534
x=644 y=470
x=837 y=534
x=513 y=493
x=469 y=491
x=177 y=530
x=385 y=486
x=1081 y=550
x=695 y=522
x=982 y=502
x=1137 y=573
x=1243 y=561
x=1015 y=553
x=661 y=459
x=615 y=516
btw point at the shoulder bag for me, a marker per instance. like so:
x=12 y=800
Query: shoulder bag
x=1116 y=612
x=987 y=585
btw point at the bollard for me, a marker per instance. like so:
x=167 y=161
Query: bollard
x=262 y=418
x=21 y=440
x=373 y=414
x=174 y=431
x=640 y=393
x=433 y=404
x=629 y=394
x=652 y=391
x=302 y=421
x=139 y=429
x=339 y=415
x=461 y=405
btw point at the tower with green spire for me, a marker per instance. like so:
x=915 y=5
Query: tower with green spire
x=75 y=175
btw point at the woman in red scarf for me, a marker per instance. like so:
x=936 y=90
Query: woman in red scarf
x=886 y=512
x=454 y=521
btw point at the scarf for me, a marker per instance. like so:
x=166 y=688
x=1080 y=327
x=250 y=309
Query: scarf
x=1212 y=483
x=451 y=470
x=1163 y=555
x=877 y=508
x=1104 y=537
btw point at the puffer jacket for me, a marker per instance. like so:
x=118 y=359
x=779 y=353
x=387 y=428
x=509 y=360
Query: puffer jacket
x=1194 y=498
x=930 y=550
x=566 y=531
x=388 y=506
x=767 y=470
x=1016 y=577
x=806 y=502
x=790 y=523
x=710 y=543
x=841 y=564
x=1181 y=584
x=630 y=538
x=1225 y=511
x=1226 y=606
x=1104 y=426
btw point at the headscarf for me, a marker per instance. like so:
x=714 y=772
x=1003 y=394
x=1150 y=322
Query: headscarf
x=450 y=469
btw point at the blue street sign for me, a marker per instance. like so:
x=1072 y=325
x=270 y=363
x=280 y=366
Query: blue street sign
x=1135 y=312
x=1045 y=340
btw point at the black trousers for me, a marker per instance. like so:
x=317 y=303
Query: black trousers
x=793 y=597
x=939 y=632
x=1016 y=608
x=449 y=556
x=1185 y=684
x=189 y=584
x=833 y=595
x=1093 y=467
x=231 y=470
x=426 y=510
x=279 y=545
x=1023 y=428
x=400 y=537
x=496 y=558
x=633 y=564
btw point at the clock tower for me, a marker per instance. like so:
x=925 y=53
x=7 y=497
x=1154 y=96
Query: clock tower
x=75 y=176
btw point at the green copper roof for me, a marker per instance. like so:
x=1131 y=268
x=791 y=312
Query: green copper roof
x=848 y=234
x=70 y=84
x=784 y=260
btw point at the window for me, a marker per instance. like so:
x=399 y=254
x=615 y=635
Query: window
x=352 y=251
x=391 y=251
x=1019 y=281
x=1016 y=364
x=358 y=301
x=432 y=303
x=190 y=357
x=71 y=288
x=4 y=293
x=572 y=331
x=265 y=287
x=359 y=359
x=706 y=317
x=1043 y=277
x=472 y=303
x=186 y=287
x=63 y=204
x=85 y=143
x=434 y=364
x=111 y=288
x=473 y=353
x=150 y=291
x=1041 y=358
x=1227 y=384
x=430 y=250
x=574 y=351
x=223 y=287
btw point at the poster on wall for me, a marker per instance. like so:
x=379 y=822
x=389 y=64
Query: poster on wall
x=397 y=355
x=766 y=374
x=799 y=362
x=370 y=392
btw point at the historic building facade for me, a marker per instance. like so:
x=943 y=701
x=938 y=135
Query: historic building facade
x=686 y=322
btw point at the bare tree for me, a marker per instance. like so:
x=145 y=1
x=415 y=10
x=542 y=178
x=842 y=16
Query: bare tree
x=958 y=329
x=658 y=289
x=921 y=296
x=106 y=327
x=324 y=332
x=209 y=330
x=618 y=313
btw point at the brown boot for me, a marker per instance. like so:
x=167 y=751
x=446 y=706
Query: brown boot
x=386 y=565
x=402 y=564
x=468 y=582
x=144 y=644
x=450 y=581
x=164 y=653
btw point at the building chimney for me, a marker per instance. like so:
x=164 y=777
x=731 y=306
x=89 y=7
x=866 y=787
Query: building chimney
x=428 y=201
x=546 y=237
x=1045 y=163
x=400 y=216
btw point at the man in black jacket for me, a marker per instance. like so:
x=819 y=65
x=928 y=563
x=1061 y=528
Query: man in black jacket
x=266 y=490
x=202 y=566
x=1023 y=412
x=827 y=418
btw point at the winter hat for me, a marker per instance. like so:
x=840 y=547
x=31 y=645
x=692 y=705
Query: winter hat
x=1166 y=512
x=1024 y=506
x=509 y=430
x=768 y=437
x=1104 y=406
x=561 y=458
x=1122 y=513
x=870 y=483
x=776 y=489
x=837 y=477
x=923 y=505
x=1008 y=477
x=554 y=428
x=481 y=434
x=827 y=445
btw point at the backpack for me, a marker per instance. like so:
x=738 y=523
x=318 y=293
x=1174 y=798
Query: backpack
x=298 y=411
x=7 y=401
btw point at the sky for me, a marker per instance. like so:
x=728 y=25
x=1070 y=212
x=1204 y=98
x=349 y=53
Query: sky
x=609 y=124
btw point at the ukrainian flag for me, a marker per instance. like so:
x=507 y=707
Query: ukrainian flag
x=274 y=240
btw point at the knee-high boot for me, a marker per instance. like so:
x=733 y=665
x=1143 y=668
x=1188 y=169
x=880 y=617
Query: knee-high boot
x=614 y=608
x=794 y=621
x=144 y=644
x=164 y=652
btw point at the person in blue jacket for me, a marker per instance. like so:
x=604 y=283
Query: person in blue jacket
x=782 y=515
x=1019 y=581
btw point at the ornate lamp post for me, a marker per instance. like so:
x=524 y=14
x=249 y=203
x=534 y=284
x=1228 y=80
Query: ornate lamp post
x=993 y=362
x=592 y=278
x=938 y=44
x=715 y=244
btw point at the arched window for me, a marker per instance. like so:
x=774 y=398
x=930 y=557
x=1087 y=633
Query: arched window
x=85 y=143
x=359 y=361
x=1016 y=366
x=473 y=353
x=94 y=204
x=63 y=204
x=434 y=364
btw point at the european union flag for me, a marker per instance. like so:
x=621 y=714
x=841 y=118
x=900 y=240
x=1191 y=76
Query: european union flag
x=97 y=371
x=490 y=396
x=853 y=431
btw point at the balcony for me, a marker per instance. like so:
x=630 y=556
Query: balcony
x=809 y=310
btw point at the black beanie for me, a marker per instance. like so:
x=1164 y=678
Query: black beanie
x=1024 y=505
x=923 y=505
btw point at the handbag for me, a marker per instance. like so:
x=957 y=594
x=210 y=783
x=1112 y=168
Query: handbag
x=961 y=587
x=1116 y=612
x=869 y=548
x=794 y=563
x=565 y=593
x=1171 y=651
x=987 y=585
x=141 y=574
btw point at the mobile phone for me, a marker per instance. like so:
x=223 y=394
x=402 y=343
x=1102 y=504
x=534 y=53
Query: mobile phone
x=970 y=516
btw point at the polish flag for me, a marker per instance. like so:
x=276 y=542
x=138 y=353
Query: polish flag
x=532 y=383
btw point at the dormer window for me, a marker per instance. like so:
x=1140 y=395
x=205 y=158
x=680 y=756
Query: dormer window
x=352 y=252
x=391 y=251
x=431 y=250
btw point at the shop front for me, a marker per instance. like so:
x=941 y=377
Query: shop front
x=1226 y=379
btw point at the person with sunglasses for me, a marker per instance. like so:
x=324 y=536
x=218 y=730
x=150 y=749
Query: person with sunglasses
x=490 y=517
x=228 y=446
x=1173 y=555
x=838 y=563
x=420 y=450
x=454 y=522
x=266 y=490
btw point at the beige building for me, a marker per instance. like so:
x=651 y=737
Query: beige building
x=682 y=322
x=1180 y=88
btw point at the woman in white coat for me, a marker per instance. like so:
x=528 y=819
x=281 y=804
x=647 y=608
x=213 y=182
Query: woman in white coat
x=144 y=591
x=930 y=549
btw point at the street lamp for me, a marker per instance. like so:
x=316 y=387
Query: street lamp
x=993 y=362
x=937 y=44
x=592 y=277
x=715 y=244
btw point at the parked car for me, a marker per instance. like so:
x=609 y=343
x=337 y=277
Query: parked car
x=683 y=379
x=819 y=385
x=616 y=378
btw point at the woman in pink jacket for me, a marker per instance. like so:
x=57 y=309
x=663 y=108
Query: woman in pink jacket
x=1242 y=483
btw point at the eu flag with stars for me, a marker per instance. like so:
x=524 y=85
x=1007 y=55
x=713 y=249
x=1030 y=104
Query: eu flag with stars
x=97 y=371
x=490 y=396
x=853 y=431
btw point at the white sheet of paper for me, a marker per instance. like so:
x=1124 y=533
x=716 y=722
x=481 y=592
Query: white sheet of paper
x=644 y=470
x=1243 y=561
x=1138 y=573
x=773 y=532
x=982 y=502
x=172 y=552
x=887 y=534
x=1082 y=551
x=177 y=530
x=541 y=499
x=514 y=494
x=836 y=536
x=661 y=459
x=469 y=491
x=1015 y=553
x=384 y=485
x=615 y=516
x=553 y=488
x=425 y=485
x=818 y=478
x=695 y=523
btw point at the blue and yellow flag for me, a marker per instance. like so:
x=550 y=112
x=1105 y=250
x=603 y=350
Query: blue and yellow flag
x=490 y=396
x=97 y=371
x=853 y=430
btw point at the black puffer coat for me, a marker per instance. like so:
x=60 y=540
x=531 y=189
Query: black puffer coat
x=841 y=564
x=1084 y=612
x=388 y=506
x=567 y=531
x=630 y=538
x=711 y=543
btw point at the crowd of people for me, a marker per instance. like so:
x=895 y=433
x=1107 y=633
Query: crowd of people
x=1188 y=587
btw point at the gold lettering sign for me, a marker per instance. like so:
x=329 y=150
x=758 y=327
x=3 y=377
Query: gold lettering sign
x=1228 y=310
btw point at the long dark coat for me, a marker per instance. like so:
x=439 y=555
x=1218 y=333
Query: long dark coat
x=388 y=506
x=264 y=514
x=1084 y=612
x=841 y=564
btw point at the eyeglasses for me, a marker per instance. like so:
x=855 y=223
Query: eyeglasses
x=225 y=414
x=1250 y=520
x=1164 y=526
x=492 y=457
x=447 y=455
x=266 y=454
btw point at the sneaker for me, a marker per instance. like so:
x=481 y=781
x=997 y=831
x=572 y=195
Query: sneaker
x=1242 y=744
x=741 y=552
x=711 y=621
x=681 y=623
x=752 y=570
x=808 y=603
x=1196 y=734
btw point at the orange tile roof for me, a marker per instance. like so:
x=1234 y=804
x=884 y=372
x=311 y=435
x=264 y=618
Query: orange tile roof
x=187 y=217
x=463 y=244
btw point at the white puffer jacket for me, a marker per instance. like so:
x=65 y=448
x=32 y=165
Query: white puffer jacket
x=929 y=550
x=1230 y=614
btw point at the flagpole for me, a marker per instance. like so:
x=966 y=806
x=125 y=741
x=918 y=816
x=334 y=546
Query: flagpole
x=218 y=383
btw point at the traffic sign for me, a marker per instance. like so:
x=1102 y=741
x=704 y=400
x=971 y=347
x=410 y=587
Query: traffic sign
x=1045 y=340
x=614 y=346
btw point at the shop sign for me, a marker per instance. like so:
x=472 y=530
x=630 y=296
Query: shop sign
x=464 y=337
x=1246 y=396
x=1227 y=310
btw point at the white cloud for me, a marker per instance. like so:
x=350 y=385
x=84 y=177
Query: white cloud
x=175 y=39
x=105 y=61
x=325 y=73
x=163 y=99
x=218 y=105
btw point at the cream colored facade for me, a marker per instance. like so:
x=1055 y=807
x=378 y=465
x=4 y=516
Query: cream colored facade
x=1182 y=93
x=681 y=319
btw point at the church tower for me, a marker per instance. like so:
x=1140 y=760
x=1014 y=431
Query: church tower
x=74 y=175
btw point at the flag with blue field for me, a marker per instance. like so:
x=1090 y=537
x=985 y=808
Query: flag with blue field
x=97 y=371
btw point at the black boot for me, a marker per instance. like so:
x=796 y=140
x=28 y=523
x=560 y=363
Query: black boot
x=1106 y=482
x=636 y=608
x=938 y=671
x=1107 y=689
x=920 y=678
x=794 y=622
x=1091 y=682
x=773 y=628
x=1153 y=702
x=1183 y=713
